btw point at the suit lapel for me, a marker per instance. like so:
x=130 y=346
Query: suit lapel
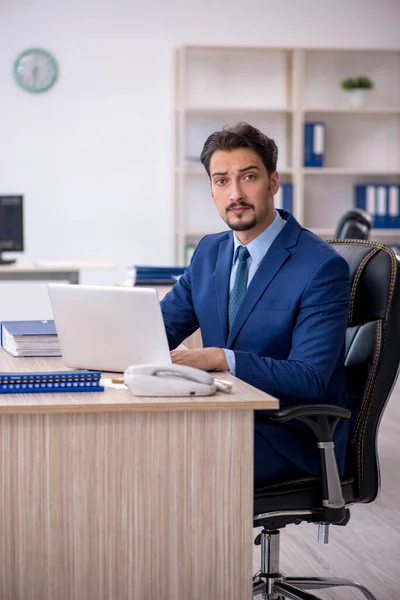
x=222 y=277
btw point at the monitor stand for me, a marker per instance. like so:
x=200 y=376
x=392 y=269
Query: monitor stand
x=7 y=261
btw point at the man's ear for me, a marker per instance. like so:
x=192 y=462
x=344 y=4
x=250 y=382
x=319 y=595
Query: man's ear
x=274 y=179
x=211 y=191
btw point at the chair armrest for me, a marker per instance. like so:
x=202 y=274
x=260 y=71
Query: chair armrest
x=322 y=420
x=309 y=410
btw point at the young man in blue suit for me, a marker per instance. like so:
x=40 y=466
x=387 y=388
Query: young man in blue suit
x=271 y=300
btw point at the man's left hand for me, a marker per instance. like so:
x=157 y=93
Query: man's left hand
x=208 y=359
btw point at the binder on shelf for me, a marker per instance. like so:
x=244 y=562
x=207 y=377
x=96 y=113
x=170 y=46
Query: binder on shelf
x=381 y=218
x=381 y=201
x=30 y=338
x=314 y=143
x=284 y=197
x=63 y=381
x=393 y=206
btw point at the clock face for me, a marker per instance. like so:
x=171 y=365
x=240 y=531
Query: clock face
x=35 y=70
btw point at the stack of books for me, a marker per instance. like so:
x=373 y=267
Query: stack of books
x=30 y=338
x=157 y=275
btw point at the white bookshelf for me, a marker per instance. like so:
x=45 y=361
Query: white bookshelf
x=277 y=90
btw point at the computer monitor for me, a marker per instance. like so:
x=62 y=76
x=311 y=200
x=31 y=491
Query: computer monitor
x=11 y=226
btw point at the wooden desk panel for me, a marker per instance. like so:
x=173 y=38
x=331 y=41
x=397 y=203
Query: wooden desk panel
x=126 y=506
x=111 y=501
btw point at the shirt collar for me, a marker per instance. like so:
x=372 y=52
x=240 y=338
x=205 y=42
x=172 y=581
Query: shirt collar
x=261 y=244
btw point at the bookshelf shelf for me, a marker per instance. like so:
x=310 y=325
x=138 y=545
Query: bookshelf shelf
x=355 y=111
x=344 y=171
x=277 y=90
x=234 y=109
x=384 y=234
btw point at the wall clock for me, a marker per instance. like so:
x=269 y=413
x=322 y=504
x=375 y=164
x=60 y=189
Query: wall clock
x=35 y=70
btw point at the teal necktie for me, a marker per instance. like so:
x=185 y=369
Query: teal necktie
x=239 y=287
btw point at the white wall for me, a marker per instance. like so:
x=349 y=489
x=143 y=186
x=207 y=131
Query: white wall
x=93 y=156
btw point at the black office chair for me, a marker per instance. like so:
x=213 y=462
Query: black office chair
x=355 y=224
x=372 y=364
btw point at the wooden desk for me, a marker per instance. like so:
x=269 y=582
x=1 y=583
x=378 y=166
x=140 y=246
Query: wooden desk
x=47 y=270
x=109 y=496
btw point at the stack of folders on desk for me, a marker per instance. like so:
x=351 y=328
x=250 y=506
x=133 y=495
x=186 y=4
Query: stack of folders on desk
x=381 y=201
x=157 y=275
x=30 y=338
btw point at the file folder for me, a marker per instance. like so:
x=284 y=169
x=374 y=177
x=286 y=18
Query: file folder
x=381 y=219
x=284 y=197
x=393 y=205
x=381 y=201
x=314 y=144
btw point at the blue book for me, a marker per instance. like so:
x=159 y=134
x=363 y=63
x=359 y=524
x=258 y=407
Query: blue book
x=393 y=200
x=152 y=274
x=156 y=280
x=284 y=197
x=288 y=197
x=30 y=338
x=174 y=270
x=314 y=144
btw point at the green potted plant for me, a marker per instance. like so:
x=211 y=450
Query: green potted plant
x=355 y=87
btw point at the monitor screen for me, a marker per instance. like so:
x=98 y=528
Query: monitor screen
x=11 y=225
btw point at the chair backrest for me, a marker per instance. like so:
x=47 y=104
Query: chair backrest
x=372 y=352
x=355 y=224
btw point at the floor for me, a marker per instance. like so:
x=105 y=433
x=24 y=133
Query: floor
x=368 y=548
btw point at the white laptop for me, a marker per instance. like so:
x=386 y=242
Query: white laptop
x=108 y=328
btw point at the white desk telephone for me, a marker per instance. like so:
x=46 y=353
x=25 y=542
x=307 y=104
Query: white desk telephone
x=172 y=380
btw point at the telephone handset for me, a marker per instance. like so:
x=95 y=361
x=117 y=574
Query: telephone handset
x=172 y=380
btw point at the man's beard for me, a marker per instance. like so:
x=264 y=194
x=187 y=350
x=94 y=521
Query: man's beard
x=242 y=225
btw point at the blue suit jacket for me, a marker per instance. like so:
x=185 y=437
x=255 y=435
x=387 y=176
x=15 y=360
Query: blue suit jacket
x=289 y=333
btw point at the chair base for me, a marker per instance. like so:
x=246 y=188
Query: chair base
x=271 y=584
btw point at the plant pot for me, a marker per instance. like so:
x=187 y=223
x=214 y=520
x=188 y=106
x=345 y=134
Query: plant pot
x=357 y=97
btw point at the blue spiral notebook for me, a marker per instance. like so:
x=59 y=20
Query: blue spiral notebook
x=62 y=381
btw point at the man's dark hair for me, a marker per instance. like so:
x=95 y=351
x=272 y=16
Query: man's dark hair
x=241 y=135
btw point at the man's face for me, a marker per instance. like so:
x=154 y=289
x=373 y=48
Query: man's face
x=243 y=191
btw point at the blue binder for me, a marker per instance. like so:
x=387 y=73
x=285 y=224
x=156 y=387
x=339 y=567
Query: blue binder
x=288 y=197
x=393 y=198
x=314 y=143
x=284 y=197
x=382 y=202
